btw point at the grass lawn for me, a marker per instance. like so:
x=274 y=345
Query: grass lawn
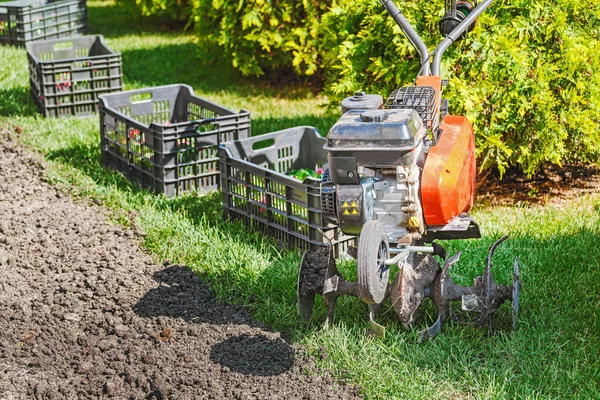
x=555 y=353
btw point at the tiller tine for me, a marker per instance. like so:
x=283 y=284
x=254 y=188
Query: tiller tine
x=516 y=288
x=484 y=297
x=319 y=275
x=441 y=293
x=490 y=295
x=412 y=285
x=423 y=277
x=376 y=329
x=311 y=278
x=420 y=277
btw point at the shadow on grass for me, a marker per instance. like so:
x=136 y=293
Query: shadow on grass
x=16 y=101
x=199 y=64
x=179 y=63
x=113 y=21
x=265 y=125
x=206 y=70
x=182 y=295
x=200 y=209
x=87 y=159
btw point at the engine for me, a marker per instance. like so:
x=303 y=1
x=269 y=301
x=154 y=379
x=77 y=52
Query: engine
x=375 y=159
x=383 y=166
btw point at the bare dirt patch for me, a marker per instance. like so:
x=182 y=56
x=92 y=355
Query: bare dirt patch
x=552 y=185
x=84 y=313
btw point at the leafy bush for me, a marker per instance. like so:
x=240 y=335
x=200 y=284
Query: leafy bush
x=173 y=9
x=263 y=35
x=525 y=77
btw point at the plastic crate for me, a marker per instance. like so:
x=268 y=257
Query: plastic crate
x=166 y=138
x=28 y=20
x=66 y=76
x=257 y=190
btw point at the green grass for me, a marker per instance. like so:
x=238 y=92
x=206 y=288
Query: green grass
x=553 y=354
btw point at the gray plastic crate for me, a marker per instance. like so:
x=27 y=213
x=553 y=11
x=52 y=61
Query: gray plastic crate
x=166 y=138
x=257 y=190
x=66 y=76
x=28 y=20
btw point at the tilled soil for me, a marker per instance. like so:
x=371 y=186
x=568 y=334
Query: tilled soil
x=84 y=313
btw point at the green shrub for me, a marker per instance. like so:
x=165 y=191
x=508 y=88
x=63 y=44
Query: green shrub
x=263 y=35
x=525 y=77
x=174 y=9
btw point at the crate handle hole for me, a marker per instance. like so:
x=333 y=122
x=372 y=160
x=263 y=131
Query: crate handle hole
x=63 y=45
x=3 y=10
x=140 y=97
x=263 y=144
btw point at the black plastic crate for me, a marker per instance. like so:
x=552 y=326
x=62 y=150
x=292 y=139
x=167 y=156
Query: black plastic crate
x=257 y=190
x=23 y=21
x=166 y=138
x=66 y=76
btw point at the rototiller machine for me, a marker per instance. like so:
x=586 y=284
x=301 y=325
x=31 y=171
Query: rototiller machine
x=401 y=174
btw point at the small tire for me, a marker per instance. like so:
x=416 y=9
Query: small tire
x=373 y=274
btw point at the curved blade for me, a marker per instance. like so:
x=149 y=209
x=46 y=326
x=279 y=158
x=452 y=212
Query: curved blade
x=488 y=281
x=515 y=293
x=306 y=305
x=430 y=332
x=376 y=329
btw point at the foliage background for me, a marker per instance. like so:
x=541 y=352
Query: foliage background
x=525 y=77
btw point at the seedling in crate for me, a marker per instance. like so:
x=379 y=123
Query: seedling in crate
x=303 y=173
x=60 y=75
x=63 y=83
x=136 y=136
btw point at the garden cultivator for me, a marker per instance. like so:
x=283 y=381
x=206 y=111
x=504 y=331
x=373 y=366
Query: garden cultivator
x=401 y=174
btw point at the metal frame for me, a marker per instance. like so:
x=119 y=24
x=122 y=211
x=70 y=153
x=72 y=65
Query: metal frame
x=416 y=40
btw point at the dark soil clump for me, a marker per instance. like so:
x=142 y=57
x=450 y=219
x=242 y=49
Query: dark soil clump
x=85 y=314
x=314 y=272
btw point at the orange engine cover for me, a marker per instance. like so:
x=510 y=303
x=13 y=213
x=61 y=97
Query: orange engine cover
x=448 y=181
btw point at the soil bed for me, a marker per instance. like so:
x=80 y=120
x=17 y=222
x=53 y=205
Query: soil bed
x=84 y=313
x=553 y=185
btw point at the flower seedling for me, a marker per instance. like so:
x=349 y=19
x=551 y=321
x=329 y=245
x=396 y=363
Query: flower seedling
x=63 y=83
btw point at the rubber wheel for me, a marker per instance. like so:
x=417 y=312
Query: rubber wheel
x=373 y=274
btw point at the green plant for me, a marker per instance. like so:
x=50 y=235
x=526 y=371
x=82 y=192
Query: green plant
x=173 y=9
x=524 y=77
x=263 y=35
x=303 y=173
